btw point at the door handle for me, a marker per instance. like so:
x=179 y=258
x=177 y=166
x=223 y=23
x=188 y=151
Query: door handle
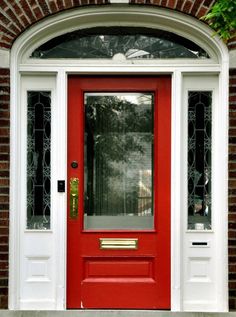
x=74 y=197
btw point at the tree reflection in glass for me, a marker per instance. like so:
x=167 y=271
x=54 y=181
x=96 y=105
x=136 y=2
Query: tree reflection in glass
x=118 y=160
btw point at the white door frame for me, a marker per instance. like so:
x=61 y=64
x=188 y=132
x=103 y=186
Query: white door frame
x=41 y=74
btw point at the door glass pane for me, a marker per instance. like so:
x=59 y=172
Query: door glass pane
x=199 y=160
x=38 y=159
x=118 y=161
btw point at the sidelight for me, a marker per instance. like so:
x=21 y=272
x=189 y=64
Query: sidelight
x=38 y=159
x=199 y=160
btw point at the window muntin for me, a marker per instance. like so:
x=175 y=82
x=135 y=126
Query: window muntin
x=132 y=43
x=199 y=159
x=38 y=159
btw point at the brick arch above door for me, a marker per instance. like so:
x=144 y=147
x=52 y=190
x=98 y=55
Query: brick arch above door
x=16 y=17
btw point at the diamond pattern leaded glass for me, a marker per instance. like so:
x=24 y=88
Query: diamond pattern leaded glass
x=199 y=159
x=38 y=159
x=132 y=43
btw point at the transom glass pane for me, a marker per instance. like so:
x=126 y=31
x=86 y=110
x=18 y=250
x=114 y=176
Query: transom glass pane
x=132 y=43
x=38 y=159
x=118 y=161
x=199 y=159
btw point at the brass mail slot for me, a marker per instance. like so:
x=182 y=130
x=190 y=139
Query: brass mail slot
x=118 y=244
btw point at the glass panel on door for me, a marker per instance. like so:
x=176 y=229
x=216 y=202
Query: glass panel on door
x=118 y=180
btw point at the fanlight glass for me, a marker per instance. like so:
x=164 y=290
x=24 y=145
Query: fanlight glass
x=132 y=43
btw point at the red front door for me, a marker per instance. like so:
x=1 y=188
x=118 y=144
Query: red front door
x=118 y=192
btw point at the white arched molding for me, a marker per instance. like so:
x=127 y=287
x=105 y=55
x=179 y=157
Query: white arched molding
x=149 y=17
x=53 y=74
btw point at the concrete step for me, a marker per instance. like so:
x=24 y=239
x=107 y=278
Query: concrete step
x=109 y=313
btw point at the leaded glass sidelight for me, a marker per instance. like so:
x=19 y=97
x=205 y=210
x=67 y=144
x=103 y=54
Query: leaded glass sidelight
x=118 y=161
x=132 y=43
x=38 y=159
x=199 y=160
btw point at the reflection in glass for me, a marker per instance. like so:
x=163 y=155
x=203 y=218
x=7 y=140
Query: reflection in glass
x=118 y=160
x=199 y=160
x=132 y=43
x=38 y=159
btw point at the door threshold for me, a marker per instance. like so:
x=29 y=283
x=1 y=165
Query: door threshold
x=108 y=313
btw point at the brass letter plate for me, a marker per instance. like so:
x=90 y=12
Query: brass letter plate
x=74 y=197
x=118 y=244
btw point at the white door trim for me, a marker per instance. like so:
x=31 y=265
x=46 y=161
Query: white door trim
x=20 y=64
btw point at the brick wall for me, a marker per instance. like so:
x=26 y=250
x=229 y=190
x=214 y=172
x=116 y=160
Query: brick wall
x=232 y=190
x=18 y=15
x=4 y=182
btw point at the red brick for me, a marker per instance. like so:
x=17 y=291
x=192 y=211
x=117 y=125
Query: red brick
x=3 y=291
x=232 y=122
x=53 y=7
x=17 y=9
x=196 y=7
x=4 y=248
x=232 y=81
x=4 y=45
x=232 y=200
x=179 y=4
x=4 y=181
x=4 y=215
x=4 y=132
x=60 y=4
x=5 y=71
x=232 y=217
x=4 y=301
x=163 y=3
x=232 y=98
x=27 y=10
x=202 y=12
x=232 y=114
x=231 y=132
x=3 y=5
x=68 y=4
x=15 y=19
x=24 y=20
x=232 y=268
x=232 y=235
x=3 y=239
x=4 y=19
x=76 y=2
x=187 y=6
x=38 y=13
x=171 y=4
x=4 y=114
x=4 y=148
x=232 y=183
x=232 y=174
x=207 y=3
x=44 y=7
x=33 y=2
x=232 y=251
x=7 y=31
x=4 y=140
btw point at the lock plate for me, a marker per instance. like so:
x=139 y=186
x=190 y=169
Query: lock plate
x=74 y=197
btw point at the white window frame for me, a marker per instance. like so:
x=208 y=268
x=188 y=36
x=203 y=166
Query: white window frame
x=57 y=71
